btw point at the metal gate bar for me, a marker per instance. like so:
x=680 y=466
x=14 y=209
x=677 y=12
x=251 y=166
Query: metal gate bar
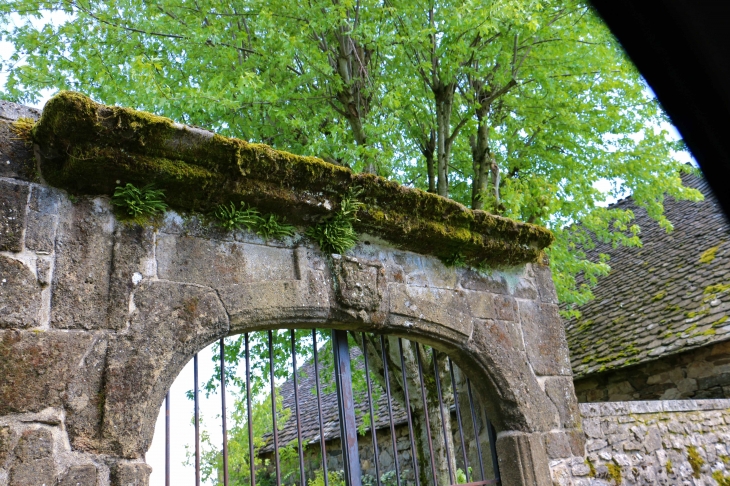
x=346 y=412
x=443 y=416
x=346 y=404
x=458 y=418
x=373 y=434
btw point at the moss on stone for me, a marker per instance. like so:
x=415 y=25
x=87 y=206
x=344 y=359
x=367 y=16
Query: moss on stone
x=614 y=473
x=695 y=460
x=88 y=148
x=709 y=254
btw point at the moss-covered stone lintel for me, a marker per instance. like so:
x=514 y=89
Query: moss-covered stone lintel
x=89 y=148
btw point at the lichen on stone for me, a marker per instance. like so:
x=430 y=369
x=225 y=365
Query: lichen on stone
x=88 y=148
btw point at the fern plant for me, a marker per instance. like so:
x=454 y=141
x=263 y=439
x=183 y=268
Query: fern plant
x=138 y=202
x=336 y=234
x=272 y=227
x=231 y=218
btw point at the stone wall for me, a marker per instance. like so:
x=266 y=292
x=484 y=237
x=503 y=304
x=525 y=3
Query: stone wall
x=98 y=316
x=668 y=442
x=700 y=373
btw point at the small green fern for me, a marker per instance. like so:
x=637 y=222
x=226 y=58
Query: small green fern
x=454 y=260
x=138 y=202
x=336 y=234
x=231 y=218
x=272 y=227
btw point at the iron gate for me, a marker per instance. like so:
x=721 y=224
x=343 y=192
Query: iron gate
x=379 y=409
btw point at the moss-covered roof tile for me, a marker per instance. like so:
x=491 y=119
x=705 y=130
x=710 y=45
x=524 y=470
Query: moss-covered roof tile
x=663 y=298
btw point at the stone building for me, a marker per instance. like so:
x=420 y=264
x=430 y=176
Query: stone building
x=658 y=327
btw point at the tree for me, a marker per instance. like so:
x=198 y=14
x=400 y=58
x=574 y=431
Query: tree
x=515 y=107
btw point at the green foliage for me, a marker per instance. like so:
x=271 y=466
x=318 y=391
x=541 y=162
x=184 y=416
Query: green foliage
x=461 y=475
x=334 y=478
x=336 y=234
x=270 y=226
x=139 y=202
x=231 y=218
x=273 y=227
x=455 y=260
x=519 y=107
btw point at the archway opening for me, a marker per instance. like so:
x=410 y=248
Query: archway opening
x=444 y=425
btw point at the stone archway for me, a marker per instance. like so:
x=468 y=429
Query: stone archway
x=98 y=317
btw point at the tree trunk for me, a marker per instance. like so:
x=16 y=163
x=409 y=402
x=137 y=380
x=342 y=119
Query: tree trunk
x=427 y=150
x=444 y=97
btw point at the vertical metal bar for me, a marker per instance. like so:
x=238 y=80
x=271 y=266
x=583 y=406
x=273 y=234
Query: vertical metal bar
x=319 y=409
x=302 y=479
x=458 y=419
x=390 y=410
x=346 y=404
x=249 y=415
x=196 y=393
x=443 y=415
x=273 y=410
x=408 y=412
x=372 y=409
x=476 y=432
x=223 y=415
x=493 y=447
x=425 y=415
x=167 y=439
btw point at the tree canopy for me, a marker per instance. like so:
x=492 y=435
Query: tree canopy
x=517 y=107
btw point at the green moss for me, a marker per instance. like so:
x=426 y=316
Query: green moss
x=659 y=295
x=672 y=308
x=591 y=468
x=716 y=289
x=709 y=254
x=88 y=147
x=668 y=467
x=721 y=478
x=614 y=473
x=695 y=460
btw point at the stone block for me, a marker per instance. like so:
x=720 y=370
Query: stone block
x=283 y=300
x=84 y=249
x=439 y=306
x=221 y=263
x=130 y=474
x=557 y=445
x=16 y=156
x=522 y=460
x=20 y=295
x=544 y=336
x=133 y=259
x=35 y=472
x=493 y=283
x=545 y=285
x=35 y=368
x=85 y=475
x=84 y=399
x=40 y=231
x=357 y=282
x=13 y=201
x=561 y=393
x=505 y=307
x=171 y=322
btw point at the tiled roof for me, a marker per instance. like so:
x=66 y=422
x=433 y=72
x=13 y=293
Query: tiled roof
x=669 y=296
x=309 y=417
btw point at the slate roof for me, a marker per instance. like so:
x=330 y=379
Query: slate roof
x=669 y=296
x=308 y=407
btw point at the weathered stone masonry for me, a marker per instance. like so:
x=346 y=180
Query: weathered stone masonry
x=668 y=442
x=97 y=317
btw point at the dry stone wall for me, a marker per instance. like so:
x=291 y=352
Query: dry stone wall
x=671 y=442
